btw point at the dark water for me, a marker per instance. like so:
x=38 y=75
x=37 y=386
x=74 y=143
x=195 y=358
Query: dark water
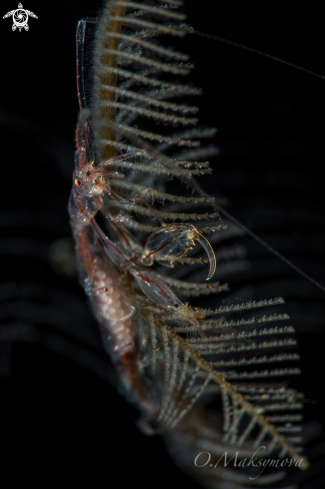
x=61 y=417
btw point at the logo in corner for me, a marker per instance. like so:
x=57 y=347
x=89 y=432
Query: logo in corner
x=20 y=18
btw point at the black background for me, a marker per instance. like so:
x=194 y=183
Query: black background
x=60 y=417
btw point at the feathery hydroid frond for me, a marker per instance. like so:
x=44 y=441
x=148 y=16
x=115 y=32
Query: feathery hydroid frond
x=173 y=356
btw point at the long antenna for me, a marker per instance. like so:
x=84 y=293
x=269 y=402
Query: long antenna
x=267 y=246
x=221 y=209
x=191 y=182
x=256 y=51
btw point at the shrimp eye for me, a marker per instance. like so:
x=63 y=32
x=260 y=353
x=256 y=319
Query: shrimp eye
x=77 y=182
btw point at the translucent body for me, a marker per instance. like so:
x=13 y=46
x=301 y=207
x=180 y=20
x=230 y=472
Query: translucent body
x=90 y=182
x=155 y=289
x=172 y=242
x=177 y=366
x=90 y=186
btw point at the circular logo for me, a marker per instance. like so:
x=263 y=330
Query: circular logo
x=20 y=19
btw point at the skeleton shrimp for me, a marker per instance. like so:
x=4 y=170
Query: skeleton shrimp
x=90 y=186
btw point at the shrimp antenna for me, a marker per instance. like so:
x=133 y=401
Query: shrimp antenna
x=165 y=161
x=268 y=247
x=191 y=182
x=256 y=51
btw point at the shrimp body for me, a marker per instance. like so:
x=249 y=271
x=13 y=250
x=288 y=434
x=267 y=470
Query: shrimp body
x=117 y=314
x=169 y=354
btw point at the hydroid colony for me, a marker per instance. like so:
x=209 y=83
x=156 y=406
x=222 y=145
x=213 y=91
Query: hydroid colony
x=137 y=214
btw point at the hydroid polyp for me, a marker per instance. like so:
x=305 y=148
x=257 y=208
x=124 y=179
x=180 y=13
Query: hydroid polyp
x=136 y=209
